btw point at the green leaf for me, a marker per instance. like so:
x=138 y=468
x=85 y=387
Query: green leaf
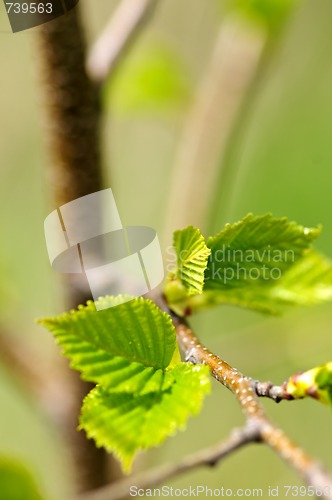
x=308 y=282
x=16 y=482
x=256 y=250
x=152 y=78
x=188 y=276
x=126 y=423
x=126 y=346
x=192 y=256
x=261 y=263
x=145 y=393
x=315 y=383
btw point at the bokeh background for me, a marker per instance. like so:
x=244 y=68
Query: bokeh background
x=278 y=160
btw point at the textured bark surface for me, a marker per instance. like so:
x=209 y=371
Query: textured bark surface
x=73 y=123
x=74 y=111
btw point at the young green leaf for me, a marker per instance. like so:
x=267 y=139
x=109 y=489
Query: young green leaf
x=308 y=282
x=126 y=423
x=192 y=257
x=256 y=250
x=125 y=345
x=130 y=351
x=315 y=383
x=261 y=263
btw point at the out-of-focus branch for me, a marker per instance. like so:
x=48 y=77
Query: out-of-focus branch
x=74 y=122
x=121 y=31
x=40 y=380
x=209 y=124
x=207 y=457
x=74 y=134
x=21 y=362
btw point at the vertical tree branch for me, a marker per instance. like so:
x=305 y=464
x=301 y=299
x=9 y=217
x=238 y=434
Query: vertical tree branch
x=74 y=133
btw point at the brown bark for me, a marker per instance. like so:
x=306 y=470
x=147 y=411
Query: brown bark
x=73 y=124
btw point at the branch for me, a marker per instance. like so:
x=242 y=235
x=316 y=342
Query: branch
x=268 y=390
x=244 y=389
x=258 y=427
x=118 y=35
x=74 y=135
x=207 y=457
x=22 y=363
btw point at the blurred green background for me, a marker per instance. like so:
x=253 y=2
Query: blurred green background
x=279 y=160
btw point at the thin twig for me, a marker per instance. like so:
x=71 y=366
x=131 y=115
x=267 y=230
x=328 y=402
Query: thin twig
x=244 y=389
x=269 y=390
x=207 y=457
x=121 y=31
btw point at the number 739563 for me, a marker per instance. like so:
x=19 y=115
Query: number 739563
x=29 y=8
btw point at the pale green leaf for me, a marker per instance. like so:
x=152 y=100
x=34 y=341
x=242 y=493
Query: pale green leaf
x=125 y=347
x=145 y=393
x=308 y=282
x=256 y=250
x=192 y=257
x=127 y=423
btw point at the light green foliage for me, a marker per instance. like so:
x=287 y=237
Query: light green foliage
x=127 y=422
x=192 y=256
x=152 y=78
x=144 y=392
x=130 y=351
x=132 y=340
x=269 y=13
x=262 y=263
x=16 y=483
x=255 y=242
x=315 y=383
